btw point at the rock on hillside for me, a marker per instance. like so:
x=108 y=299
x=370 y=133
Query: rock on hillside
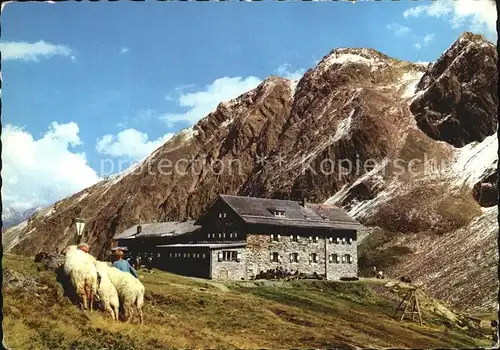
x=346 y=134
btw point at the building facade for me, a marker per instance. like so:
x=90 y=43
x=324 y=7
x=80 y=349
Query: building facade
x=239 y=237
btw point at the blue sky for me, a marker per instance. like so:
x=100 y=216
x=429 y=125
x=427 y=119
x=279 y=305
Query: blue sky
x=114 y=80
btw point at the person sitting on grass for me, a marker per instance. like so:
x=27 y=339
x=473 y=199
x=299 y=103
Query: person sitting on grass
x=123 y=265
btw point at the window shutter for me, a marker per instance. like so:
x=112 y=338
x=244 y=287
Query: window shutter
x=279 y=236
x=338 y=259
x=330 y=258
x=343 y=240
x=310 y=238
x=338 y=240
x=291 y=238
x=350 y=240
x=343 y=258
x=271 y=257
x=220 y=256
x=272 y=237
x=279 y=258
x=317 y=238
x=330 y=239
x=310 y=257
x=238 y=256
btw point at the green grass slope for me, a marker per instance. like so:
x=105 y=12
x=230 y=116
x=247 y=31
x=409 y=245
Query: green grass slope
x=194 y=313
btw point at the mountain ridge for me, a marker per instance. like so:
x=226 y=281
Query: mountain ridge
x=356 y=105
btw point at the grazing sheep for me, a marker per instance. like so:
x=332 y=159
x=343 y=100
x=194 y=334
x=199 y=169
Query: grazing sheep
x=81 y=271
x=130 y=291
x=106 y=291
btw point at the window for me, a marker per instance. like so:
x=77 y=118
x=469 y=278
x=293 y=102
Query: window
x=275 y=257
x=343 y=240
x=315 y=239
x=338 y=240
x=220 y=235
x=222 y=215
x=314 y=257
x=349 y=240
x=231 y=235
x=188 y=255
x=229 y=255
x=330 y=240
x=236 y=235
x=294 y=238
x=170 y=254
x=279 y=212
x=348 y=258
x=275 y=238
x=294 y=257
x=185 y=254
x=224 y=235
x=209 y=235
x=334 y=258
x=203 y=255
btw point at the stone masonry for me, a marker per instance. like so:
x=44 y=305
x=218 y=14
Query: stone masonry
x=233 y=270
x=260 y=247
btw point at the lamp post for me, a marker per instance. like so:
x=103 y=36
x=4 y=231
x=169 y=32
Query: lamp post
x=80 y=225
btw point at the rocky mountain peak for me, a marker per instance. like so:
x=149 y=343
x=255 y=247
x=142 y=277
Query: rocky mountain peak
x=457 y=96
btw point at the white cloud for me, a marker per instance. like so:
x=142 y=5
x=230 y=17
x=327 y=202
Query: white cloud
x=33 y=51
x=477 y=16
x=398 y=29
x=124 y=50
x=200 y=103
x=285 y=72
x=40 y=172
x=130 y=143
x=429 y=37
x=437 y=9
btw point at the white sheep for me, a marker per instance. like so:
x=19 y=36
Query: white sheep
x=108 y=296
x=80 y=268
x=130 y=291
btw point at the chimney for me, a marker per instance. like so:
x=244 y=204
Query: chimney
x=139 y=227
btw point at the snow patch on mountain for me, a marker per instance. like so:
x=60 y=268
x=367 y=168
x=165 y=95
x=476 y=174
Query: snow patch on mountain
x=343 y=127
x=227 y=122
x=409 y=81
x=187 y=134
x=472 y=161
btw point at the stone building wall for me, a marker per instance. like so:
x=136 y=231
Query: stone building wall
x=342 y=269
x=232 y=270
x=260 y=248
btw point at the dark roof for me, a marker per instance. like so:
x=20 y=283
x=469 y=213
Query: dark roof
x=203 y=245
x=170 y=228
x=260 y=211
